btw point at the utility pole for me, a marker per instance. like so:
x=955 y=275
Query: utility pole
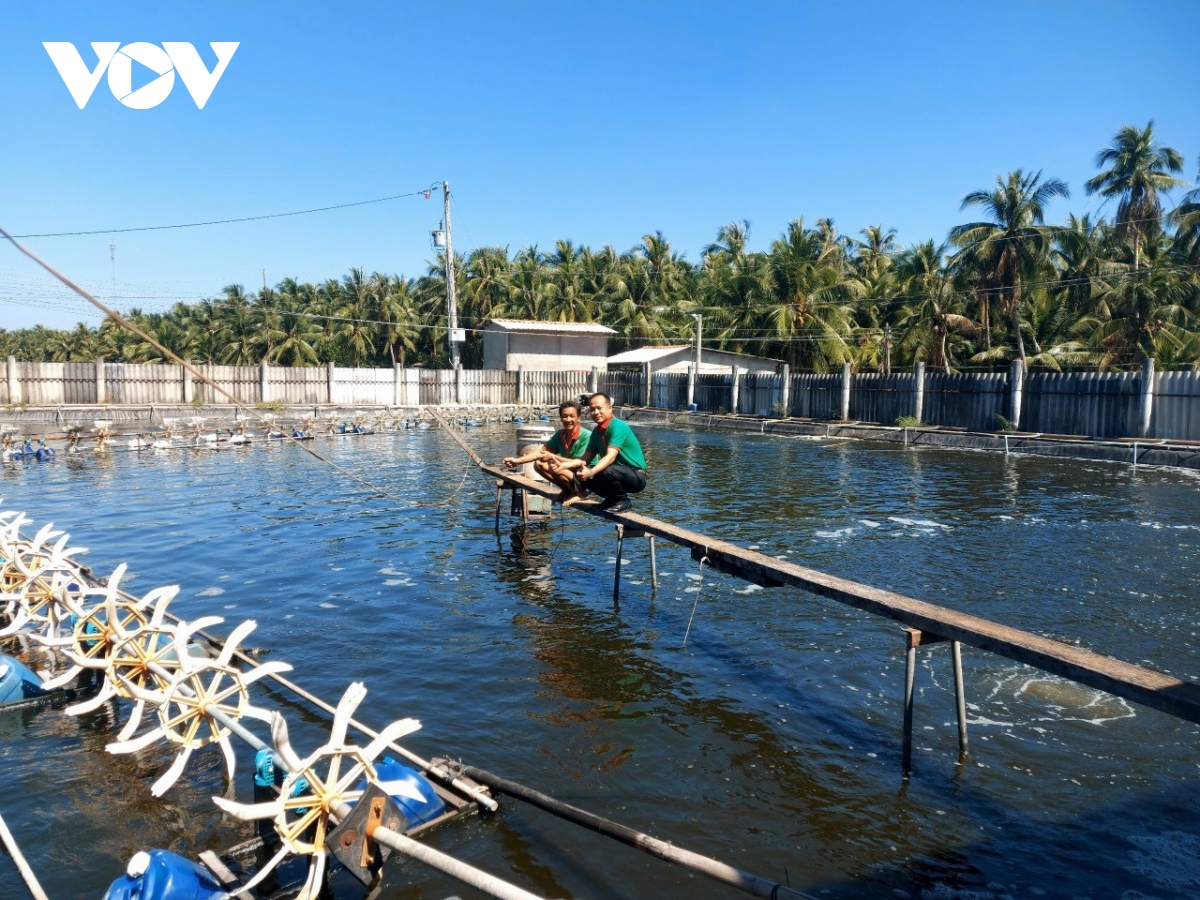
x=451 y=296
x=695 y=373
x=887 y=349
x=112 y=255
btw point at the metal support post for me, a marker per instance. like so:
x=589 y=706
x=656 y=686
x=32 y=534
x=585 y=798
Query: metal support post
x=653 y=567
x=959 y=696
x=910 y=667
x=617 y=574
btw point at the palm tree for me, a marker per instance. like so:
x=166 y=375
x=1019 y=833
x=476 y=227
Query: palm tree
x=1138 y=168
x=932 y=312
x=809 y=311
x=1145 y=313
x=1015 y=244
x=1186 y=218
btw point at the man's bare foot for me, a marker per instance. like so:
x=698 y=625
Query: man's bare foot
x=574 y=498
x=564 y=496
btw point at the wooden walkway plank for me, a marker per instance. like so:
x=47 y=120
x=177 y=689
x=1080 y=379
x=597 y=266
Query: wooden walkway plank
x=1138 y=684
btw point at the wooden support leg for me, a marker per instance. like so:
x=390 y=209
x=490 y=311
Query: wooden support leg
x=524 y=507
x=617 y=574
x=653 y=567
x=959 y=696
x=910 y=668
x=499 y=497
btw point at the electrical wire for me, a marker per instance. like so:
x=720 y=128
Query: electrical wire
x=425 y=192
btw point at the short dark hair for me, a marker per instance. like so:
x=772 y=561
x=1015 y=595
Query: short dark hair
x=607 y=399
x=569 y=404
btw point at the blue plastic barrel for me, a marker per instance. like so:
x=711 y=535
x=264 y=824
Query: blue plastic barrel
x=415 y=796
x=163 y=875
x=17 y=681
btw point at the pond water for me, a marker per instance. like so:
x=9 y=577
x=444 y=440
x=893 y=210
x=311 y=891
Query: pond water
x=771 y=741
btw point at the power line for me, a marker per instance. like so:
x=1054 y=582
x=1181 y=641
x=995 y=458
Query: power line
x=301 y=212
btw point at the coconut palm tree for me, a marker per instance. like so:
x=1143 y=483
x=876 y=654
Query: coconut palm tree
x=809 y=310
x=932 y=313
x=1144 y=313
x=1186 y=218
x=1015 y=244
x=1138 y=169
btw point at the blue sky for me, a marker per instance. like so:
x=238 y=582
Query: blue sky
x=596 y=123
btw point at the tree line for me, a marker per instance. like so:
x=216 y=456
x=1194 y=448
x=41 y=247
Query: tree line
x=1085 y=293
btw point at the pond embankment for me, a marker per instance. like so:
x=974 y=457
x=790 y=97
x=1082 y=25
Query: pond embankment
x=1139 y=451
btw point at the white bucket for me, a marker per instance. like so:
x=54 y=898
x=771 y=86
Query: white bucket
x=529 y=438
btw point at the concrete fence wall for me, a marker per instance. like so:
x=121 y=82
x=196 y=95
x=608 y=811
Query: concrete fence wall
x=1164 y=405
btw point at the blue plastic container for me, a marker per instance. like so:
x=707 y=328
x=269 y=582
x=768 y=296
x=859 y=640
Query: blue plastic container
x=163 y=875
x=415 y=796
x=17 y=682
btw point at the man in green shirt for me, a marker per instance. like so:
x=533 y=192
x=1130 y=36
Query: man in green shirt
x=556 y=459
x=614 y=466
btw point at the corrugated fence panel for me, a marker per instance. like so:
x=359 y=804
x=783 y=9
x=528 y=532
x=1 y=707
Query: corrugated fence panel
x=485 y=386
x=816 y=396
x=298 y=386
x=79 y=382
x=369 y=387
x=41 y=383
x=1176 y=411
x=714 y=393
x=625 y=388
x=240 y=381
x=142 y=384
x=881 y=398
x=668 y=390
x=1094 y=404
x=549 y=389
x=965 y=401
x=759 y=393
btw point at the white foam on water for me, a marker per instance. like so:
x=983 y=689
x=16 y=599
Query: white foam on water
x=211 y=592
x=748 y=589
x=837 y=533
x=392 y=582
x=230 y=606
x=223 y=578
x=692 y=590
x=328 y=606
x=870 y=523
x=692 y=576
x=389 y=571
x=917 y=523
x=1171 y=859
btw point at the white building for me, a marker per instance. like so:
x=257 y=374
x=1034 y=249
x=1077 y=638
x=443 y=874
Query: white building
x=509 y=344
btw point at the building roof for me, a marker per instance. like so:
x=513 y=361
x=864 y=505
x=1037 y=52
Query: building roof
x=651 y=354
x=645 y=354
x=559 y=327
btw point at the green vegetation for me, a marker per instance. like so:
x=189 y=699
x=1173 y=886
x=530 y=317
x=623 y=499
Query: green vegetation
x=908 y=422
x=1007 y=286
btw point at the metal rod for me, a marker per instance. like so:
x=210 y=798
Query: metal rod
x=465 y=873
x=718 y=871
x=14 y=851
x=909 y=673
x=653 y=567
x=617 y=573
x=959 y=696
